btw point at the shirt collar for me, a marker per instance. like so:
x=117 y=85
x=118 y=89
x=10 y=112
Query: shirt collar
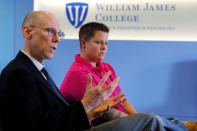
x=79 y=59
x=36 y=63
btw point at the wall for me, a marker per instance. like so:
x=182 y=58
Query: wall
x=7 y=15
x=157 y=76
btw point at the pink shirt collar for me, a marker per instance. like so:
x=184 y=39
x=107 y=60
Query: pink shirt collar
x=87 y=63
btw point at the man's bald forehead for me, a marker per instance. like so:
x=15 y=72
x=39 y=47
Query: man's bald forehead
x=35 y=16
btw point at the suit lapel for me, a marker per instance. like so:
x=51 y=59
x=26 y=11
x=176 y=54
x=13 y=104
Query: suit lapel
x=56 y=92
x=39 y=76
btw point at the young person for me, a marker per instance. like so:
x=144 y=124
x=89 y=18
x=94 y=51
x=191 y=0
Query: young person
x=93 y=39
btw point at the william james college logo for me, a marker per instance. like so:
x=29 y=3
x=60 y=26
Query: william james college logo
x=76 y=13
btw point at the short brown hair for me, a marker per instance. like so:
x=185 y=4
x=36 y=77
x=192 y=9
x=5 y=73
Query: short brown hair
x=88 y=30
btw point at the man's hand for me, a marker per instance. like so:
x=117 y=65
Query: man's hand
x=105 y=106
x=96 y=99
x=95 y=95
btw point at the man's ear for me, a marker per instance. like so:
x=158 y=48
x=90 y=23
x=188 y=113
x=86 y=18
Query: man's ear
x=27 y=32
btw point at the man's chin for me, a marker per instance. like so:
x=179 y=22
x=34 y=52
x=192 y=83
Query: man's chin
x=50 y=57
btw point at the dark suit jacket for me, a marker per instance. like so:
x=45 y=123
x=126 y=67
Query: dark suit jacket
x=28 y=103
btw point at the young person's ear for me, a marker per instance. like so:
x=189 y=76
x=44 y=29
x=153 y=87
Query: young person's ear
x=83 y=43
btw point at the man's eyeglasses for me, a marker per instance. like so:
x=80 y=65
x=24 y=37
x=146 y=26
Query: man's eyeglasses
x=51 y=31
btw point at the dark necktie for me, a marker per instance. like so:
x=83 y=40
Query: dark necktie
x=52 y=84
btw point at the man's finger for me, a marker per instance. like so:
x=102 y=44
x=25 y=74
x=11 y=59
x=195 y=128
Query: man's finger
x=112 y=85
x=102 y=82
x=118 y=97
x=117 y=101
x=107 y=92
x=108 y=107
x=89 y=80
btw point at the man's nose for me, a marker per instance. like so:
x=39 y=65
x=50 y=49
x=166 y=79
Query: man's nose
x=56 y=38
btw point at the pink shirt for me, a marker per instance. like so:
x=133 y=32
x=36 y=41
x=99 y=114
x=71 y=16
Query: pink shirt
x=75 y=82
